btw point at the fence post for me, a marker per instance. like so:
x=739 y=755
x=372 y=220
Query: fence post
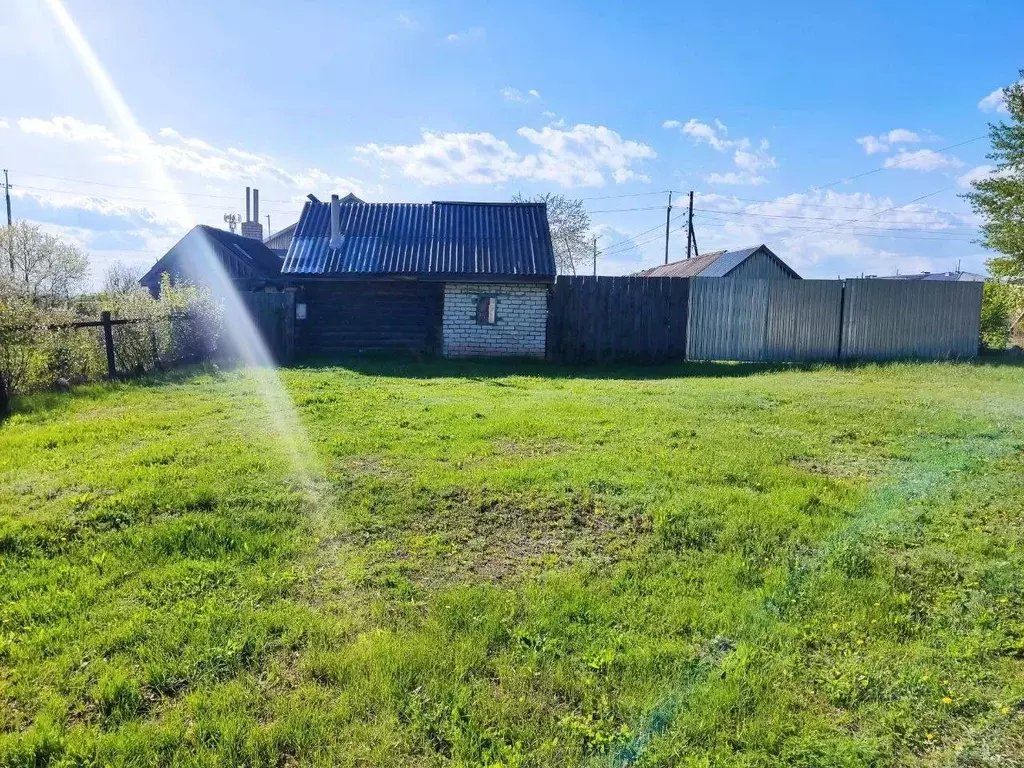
x=108 y=342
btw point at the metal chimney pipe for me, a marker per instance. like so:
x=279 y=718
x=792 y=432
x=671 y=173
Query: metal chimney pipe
x=335 y=222
x=248 y=213
x=256 y=205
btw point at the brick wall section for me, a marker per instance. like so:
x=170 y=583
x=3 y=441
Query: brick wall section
x=252 y=229
x=520 y=329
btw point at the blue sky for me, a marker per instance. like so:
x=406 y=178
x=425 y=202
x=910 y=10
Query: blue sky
x=759 y=108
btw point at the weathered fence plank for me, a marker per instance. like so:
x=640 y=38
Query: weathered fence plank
x=608 y=319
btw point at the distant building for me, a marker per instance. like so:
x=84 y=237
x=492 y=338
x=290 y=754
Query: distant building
x=249 y=264
x=755 y=261
x=279 y=241
x=945 y=277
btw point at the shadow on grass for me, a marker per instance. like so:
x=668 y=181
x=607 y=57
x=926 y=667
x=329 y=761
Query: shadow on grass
x=412 y=367
x=426 y=368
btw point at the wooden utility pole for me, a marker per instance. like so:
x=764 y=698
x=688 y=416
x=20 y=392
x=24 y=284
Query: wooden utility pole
x=269 y=230
x=595 y=257
x=10 y=223
x=7 y=194
x=690 y=240
x=668 y=217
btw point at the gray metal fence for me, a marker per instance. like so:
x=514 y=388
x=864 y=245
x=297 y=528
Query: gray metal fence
x=886 y=319
x=727 y=319
x=801 y=320
x=593 y=319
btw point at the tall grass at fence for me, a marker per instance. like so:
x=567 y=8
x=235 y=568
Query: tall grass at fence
x=44 y=346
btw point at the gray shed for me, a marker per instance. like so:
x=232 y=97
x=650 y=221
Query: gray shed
x=755 y=261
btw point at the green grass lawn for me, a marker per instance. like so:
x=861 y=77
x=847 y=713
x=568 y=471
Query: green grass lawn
x=505 y=565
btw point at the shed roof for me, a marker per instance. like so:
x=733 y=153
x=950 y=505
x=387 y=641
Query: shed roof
x=202 y=238
x=714 y=264
x=439 y=240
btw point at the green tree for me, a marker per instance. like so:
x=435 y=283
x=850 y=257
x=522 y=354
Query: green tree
x=999 y=198
x=40 y=266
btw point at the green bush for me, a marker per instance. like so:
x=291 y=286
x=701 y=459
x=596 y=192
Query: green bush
x=1001 y=303
x=182 y=326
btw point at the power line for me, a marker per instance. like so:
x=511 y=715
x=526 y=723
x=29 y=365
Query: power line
x=913 y=156
x=627 y=210
x=118 y=198
x=146 y=189
x=817 y=218
x=893 y=208
x=808 y=230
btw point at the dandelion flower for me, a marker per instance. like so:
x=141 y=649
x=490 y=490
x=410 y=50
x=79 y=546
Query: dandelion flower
x=1005 y=710
x=929 y=736
x=946 y=700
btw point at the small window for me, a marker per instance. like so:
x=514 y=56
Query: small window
x=300 y=311
x=487 y=310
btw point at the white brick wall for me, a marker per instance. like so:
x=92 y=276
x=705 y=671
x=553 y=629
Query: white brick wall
x=521 y=327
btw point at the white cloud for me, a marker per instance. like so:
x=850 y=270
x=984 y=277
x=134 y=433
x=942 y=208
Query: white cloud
x=994 y=102
x=580 y=156
x=749 y=162
x=405 y=20
x=903 y=136
x=466 y=36
x=872 y=145
x=187 y=154
x=825 y=233
x=716 y=137
x=732 y=177
x=921 y=160
x=3 y=123
x=512 y=94
x=884 y=142
x=71 y=130
x=979 y=173
x=548 y=114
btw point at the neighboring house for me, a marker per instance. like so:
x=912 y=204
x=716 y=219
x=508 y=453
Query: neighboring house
x=246 y=261
x=280 y=240
x=946 y=277
x=756 y=261
x=460 y=278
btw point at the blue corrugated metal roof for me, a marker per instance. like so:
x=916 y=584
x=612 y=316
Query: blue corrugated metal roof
x=729 y=260
x=434 y=240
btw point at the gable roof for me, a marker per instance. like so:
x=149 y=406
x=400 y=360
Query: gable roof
x=685 y=268
x=434 y=241
x=279 y=241
x=714 y=264
x=243 y=257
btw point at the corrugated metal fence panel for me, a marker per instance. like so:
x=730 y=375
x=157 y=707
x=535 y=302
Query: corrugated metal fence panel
x=605 y=319
x=727 y=319
x=889 y=319
x=803 y=320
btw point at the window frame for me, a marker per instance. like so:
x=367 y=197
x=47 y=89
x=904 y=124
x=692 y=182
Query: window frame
x=481 y=316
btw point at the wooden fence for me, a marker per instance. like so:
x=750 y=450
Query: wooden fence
x=603 y=319
x=659 y=319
